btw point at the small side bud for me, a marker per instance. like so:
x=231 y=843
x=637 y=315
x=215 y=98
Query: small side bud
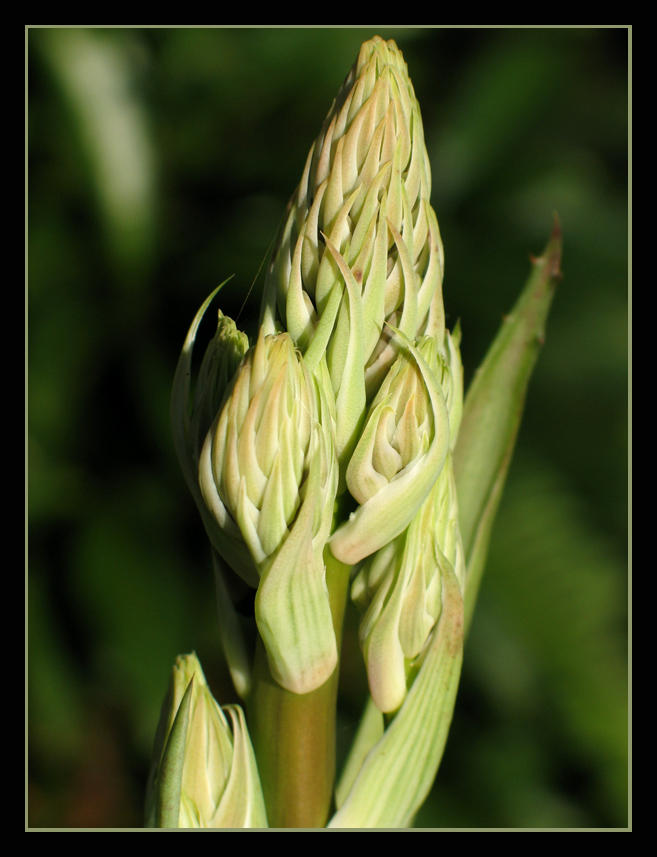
x=399 y=590
x=220 y=361
x=268 y=469
x=399 y=454
x=192 y=412
x=204 y=771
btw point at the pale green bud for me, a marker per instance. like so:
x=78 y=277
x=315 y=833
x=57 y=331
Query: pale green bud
x=412 y=424
x=268 y=468
x=360 y=245
x=192 y=411
x=399 y=455
x=256 y=456
x=204 y=772
x=400 y=590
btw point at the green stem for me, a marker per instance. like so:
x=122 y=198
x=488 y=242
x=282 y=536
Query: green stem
x=294 y=734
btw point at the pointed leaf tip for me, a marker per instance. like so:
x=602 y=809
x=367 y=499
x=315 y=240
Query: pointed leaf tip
x=550 y=258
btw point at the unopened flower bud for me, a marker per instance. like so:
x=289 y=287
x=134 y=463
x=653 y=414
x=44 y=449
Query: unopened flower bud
x=399 y=589
x=204 y=772
x=360 y=245
x=218 y=367
x=192 y=411
x=268 y=467
x=399 y=455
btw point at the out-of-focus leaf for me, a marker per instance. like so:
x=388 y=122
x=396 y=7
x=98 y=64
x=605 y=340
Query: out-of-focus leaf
x=54 y=691
x=562 y=591
x=94 y=75
x=506 y=89
x=134 y=599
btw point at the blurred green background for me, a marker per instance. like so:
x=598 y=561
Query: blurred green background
x=160 y=161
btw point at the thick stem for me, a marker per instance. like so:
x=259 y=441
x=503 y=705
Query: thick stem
x=294 y=734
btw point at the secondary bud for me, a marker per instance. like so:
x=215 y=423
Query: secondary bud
x=217 y=370
x=268 y=467
x=399 y=455
x=399 y=590
x=204 y=770
x=192 y=411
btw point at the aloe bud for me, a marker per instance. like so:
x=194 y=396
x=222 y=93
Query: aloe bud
x=204 y=770
x=400 y=590
x=399 y=455
x=218 y=367
x=360 y=245
x=268 y=468
x=399 y=586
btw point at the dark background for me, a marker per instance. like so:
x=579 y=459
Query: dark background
x=160 y=161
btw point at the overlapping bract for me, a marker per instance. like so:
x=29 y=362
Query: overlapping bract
x=204 y=772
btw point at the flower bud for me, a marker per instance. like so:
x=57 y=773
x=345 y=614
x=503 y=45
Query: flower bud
x=400 y=590
x=204 y=770
x=257 y=454
x=268 y=468
x=360 y=245
x=399 y=455
x=399 y=586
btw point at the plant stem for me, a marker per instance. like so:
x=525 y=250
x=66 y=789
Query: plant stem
x=294 y=734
